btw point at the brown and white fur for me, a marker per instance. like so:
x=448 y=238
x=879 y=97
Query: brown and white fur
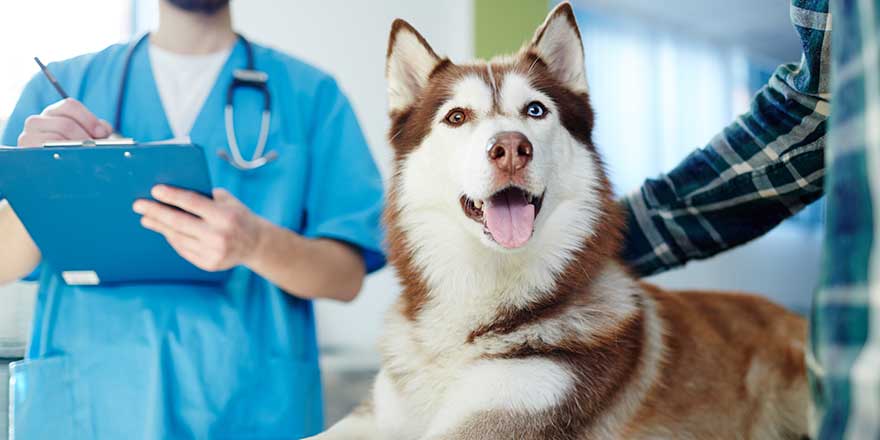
x=549 y=338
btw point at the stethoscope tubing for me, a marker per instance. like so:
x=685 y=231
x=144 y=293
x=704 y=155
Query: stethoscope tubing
x=249 y=77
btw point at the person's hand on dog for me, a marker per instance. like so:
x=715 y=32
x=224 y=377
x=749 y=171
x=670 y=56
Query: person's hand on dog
x=213 y=235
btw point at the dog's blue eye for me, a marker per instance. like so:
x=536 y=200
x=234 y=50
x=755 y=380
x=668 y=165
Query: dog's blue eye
x=536 y=110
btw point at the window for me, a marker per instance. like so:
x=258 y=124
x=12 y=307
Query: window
x=658 y=96
x=660 y=93
x=53 y=30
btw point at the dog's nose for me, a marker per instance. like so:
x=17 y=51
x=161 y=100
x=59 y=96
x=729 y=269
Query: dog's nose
x=510 y=151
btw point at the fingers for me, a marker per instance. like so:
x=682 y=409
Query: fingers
x=213 y=234
x=221 y=195
x=61 y=126
x=172 y=218
x=191 y=248
x=188 y=201
x=27 y=139
x=78 y=113
x=185 y=241
x=65 y=120
x=186 y=246
x=107 y=128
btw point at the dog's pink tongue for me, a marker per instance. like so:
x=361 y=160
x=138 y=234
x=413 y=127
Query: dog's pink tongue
x=510 y=219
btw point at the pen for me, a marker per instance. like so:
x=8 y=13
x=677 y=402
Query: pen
x=51 y=78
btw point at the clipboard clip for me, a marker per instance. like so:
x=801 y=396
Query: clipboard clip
x=118 y=142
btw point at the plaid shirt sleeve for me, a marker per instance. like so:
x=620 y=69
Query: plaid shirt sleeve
x=844 y=355
x=760 y=170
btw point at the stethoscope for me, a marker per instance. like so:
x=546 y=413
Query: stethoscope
x=248 y=77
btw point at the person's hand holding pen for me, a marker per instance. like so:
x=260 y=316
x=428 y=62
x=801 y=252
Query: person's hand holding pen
x=65 y=120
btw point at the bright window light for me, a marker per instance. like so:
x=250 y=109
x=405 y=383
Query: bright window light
x=53 y=30
x=658 y=95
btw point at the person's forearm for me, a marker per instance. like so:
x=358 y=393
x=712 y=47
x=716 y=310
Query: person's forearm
x=20 y=255
x=668 y=226
x=319 y=268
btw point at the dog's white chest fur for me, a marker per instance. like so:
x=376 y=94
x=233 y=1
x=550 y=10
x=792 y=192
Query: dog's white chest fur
x=433 y=379
x=422 y=392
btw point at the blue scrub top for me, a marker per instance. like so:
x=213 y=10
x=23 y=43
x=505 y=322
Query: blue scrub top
x=233 y=360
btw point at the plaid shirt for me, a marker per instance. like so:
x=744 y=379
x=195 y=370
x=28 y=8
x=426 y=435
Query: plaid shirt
x=768 y=165
x=769 y=161
x=845 y=327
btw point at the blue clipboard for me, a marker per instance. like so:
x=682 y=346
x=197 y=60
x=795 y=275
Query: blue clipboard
x=76 y=203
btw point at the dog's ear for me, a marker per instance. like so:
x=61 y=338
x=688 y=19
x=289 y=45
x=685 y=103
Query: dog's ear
x=558 y=43
x=409 y=63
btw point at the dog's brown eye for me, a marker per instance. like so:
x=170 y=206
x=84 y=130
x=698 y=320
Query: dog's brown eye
x=456 y=117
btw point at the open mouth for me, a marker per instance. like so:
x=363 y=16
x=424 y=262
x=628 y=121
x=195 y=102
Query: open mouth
x=508 y=216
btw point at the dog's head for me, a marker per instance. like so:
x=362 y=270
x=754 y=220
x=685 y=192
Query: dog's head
x=499 y=152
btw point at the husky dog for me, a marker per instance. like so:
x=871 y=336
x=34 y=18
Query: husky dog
x=517 y=319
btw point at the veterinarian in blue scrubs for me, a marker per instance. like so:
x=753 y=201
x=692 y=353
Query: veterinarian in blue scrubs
x=231 y=360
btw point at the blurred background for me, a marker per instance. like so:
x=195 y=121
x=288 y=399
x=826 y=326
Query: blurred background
x=664 y=78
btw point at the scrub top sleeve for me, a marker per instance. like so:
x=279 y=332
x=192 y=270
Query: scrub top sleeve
x=31 y=102
x=344 y=192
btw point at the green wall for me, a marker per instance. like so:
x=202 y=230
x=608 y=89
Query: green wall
x=502 y=26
